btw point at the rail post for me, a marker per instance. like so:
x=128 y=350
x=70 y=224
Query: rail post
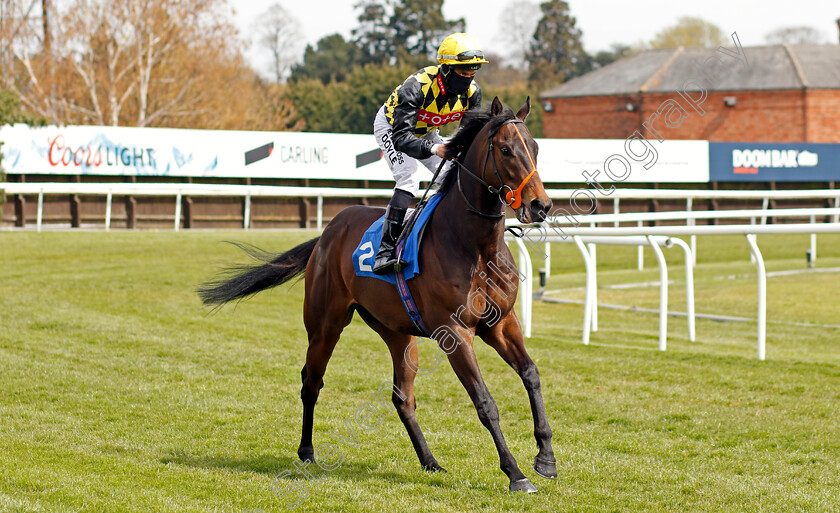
x=178 y=211
x=762 y=295
x=108 y=200
x=590 y=284
x=663 y=293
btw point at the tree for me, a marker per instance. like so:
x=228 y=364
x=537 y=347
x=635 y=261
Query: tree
x=689 y=31
x=374 y=35
x=368 y=88
x=348 y=106
x=11 y=112
x=419 y=27
x=16 y=19
x=795 y=36
x=556 y=52
x=332 y=59
x=277 y=32
x=267 y=108
x=317 y=104
x=129 y=62
x=519 y=21
x=514 y=96
x=498 y=73
x=134 y=62
x=401 y=31
x=616 y=52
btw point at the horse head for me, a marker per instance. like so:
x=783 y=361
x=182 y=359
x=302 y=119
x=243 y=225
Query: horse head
x=514 y=159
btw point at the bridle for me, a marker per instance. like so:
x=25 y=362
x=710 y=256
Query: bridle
x=513 y=197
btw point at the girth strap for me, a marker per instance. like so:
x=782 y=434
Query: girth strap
x=408 y=300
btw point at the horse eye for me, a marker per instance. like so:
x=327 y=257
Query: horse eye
x=505 y=150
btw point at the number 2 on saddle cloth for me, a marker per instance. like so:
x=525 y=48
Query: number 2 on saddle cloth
x=409 y=247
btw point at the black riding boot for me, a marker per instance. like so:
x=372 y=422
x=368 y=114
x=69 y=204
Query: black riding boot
x=386 y=258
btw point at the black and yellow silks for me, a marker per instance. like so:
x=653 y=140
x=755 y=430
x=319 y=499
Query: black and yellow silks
x=422 y=104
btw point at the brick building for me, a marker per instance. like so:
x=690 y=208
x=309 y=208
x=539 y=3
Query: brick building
x=785 y=94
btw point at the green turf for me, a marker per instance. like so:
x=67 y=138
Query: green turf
x=119 y=392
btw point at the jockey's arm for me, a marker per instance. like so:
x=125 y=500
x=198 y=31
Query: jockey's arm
x=405 y=119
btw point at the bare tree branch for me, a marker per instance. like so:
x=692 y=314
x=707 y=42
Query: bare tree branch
x=136 y=62
x=277 y=32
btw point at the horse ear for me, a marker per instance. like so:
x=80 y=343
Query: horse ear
x=497 y=107
x=525 y=110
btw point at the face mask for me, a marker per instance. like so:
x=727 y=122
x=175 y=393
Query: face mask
x=458 y=84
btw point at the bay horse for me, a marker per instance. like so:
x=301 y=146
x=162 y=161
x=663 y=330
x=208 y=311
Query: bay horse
x=463 y=238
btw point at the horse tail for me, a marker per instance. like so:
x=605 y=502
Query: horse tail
x=242 y=281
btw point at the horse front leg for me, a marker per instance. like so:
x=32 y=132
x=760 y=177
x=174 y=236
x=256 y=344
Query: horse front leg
x=506 y=338
x=464 y=364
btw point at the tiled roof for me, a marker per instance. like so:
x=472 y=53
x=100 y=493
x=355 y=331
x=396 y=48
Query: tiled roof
x=666 y=70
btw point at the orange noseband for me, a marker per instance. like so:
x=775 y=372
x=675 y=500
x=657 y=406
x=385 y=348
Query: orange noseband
x=514 y=196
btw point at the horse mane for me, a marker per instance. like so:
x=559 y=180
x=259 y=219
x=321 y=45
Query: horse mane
x=471 y=125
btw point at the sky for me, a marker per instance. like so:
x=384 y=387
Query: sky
x=603 y=22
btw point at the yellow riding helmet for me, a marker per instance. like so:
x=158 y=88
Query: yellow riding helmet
x=461 y=49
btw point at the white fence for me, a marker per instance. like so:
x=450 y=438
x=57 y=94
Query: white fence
x=689 y=196
x=178 y=190
x=109 y=190
x=586 y=236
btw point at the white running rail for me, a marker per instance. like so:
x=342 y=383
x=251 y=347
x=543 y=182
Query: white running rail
x=580 y=234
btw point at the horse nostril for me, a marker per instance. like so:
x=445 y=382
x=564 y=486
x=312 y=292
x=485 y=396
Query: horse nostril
x=539 y=210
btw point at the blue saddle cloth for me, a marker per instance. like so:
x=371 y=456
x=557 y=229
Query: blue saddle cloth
x=365 y=253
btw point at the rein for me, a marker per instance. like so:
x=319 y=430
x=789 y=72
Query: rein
x=513 y=197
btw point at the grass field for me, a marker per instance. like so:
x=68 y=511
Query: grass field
x=120 y=392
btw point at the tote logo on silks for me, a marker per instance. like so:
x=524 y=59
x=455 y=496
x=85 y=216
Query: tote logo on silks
x=436 y=119
x=365 y=253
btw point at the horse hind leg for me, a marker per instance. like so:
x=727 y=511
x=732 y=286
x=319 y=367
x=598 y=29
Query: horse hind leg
x=404 y=355
x=324 y=330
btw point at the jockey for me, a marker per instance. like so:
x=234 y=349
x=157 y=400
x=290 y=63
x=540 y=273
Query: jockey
x=406 y=127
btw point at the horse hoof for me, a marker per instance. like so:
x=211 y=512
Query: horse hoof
x=434 y=467
x=306 y=454
x=545 y=468
x=523 y=485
